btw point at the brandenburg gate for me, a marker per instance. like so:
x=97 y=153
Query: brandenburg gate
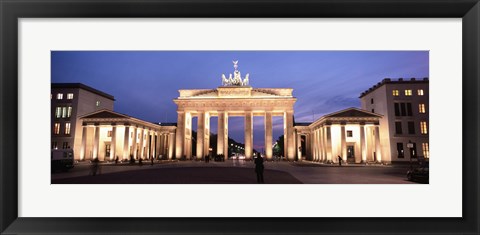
x=234 y=98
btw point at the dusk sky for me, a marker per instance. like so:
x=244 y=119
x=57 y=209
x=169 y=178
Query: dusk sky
x=144 y=83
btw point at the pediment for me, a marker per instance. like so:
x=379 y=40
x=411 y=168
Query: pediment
x=352 y=112
x=105 y=114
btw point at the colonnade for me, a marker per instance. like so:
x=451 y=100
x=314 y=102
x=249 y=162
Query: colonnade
x=123 y=141
x=325 y=142
x=184 y=133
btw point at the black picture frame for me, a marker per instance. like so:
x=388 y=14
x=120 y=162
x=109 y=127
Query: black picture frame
x=11 y=11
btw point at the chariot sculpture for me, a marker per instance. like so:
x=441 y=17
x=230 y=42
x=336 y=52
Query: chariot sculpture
x=236 y=79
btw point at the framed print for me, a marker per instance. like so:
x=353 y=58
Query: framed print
x=198 y=67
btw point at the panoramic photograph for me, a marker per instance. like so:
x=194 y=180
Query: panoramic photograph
x=240 y=117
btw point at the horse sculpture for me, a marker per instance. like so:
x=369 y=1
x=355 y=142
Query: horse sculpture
x=245 y=81
x=224 y=80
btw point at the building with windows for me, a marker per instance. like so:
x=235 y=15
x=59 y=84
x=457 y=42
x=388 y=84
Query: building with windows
x=404 y=104
x=70 y=101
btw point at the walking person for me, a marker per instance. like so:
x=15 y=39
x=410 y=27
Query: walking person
x=95 y=166
x=151 y=159
x=259 y=168
x=339 y=160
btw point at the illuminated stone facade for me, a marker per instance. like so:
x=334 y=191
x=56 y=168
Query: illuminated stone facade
x=107 y=135
x=353 y=134
x=228 y=101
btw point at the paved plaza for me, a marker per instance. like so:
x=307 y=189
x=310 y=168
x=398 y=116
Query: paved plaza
x=232 y=172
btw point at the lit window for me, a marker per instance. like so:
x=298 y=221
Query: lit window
x=58 y=112
x=67 y=128
x=426 y=150
x=69 y=111
x=70 y=96
x=349 y=133
x=64 y=112
x=97 y=103
x=395 y=92
x=421 y=108
x=408 y=92
x=59 y=96
x=420 y=92
x=423 y=127
x=109 y=134
x=56 y=129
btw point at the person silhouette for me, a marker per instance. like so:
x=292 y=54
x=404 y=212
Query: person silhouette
x=259 y=168
x=339 y=160
x=95 y=166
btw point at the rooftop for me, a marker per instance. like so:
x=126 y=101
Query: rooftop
x=390 y=81
x=82 y=86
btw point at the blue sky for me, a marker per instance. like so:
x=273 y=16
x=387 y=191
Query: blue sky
x=144 y=83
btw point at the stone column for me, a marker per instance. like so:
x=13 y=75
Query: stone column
x=268 y=135
x=162 y=150
x=134 y=142
x=126 y=137
x=284 y=137
x=157 y=145
x=312 y=146
x=363 y=147
x=200 y=135
x=316 y=147
x=147 y=144
x=206 y=135
x=180 y=135
x=343 y=150
x=160 y=147
x=299 y=146
x=188 y=136
x=319 y=144
x=329 y=143
x=152 y=145
x=378 y=149
x=83 y=149
x=113 y=144
x=248 y=135
x=289 y=130
x=322 y=147
x=171 y=145
x=165 y=144
x=221 y=141
x=142 y=137
x=96 y=142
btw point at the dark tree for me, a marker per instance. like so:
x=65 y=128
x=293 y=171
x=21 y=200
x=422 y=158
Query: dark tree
x=278 y=147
